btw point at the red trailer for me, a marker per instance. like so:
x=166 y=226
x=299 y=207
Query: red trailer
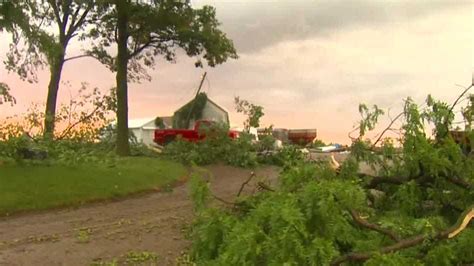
x=294 y=136
x=302 y=136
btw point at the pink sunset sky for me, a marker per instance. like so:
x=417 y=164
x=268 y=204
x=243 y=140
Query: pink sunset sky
x=308 y=63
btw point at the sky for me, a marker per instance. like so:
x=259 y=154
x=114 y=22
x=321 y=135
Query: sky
x=308 y=63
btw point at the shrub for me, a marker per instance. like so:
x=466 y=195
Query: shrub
x=216 y=147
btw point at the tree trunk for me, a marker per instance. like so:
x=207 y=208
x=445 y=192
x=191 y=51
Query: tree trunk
x=123 y=147
x=56 y=69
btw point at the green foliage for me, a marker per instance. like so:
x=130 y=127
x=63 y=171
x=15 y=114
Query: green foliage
x=420 y=187
x=468 y=112
x=34 y=43
x=241 y=152
x=5 y=96
x=192 y=110
x=135 y=257
x=85 y=134
x=318 y=143
x=252 y=111
x=83 y=235
x=199 y=191
x=159 y=122
x=288 y=156
x=157 y=28
x=391 y=260
x=216 y=147
x=130 y=258
x=265 y=143
x=81 y=119
x=369 y=118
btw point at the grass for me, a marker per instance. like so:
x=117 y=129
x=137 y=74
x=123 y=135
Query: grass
x=38 y=187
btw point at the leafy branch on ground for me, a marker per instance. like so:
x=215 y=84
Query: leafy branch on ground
x=414 y=208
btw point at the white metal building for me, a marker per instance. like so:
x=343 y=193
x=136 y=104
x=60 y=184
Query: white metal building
x=143 y=129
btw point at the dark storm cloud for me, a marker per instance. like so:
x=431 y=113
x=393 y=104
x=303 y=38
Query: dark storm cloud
x=254 y=25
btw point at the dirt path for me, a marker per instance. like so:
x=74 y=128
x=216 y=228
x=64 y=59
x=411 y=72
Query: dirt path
x=153 y=222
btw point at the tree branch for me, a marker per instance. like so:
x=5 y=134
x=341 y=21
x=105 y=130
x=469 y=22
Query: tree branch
x=389 y=127
x=377 y=180
x=263 y=186
x=460 y=182
x=140 y=49
x=223 y=200
x=398 y=180
x=74 y=17
x=373 y=227
x=70 y=127
x=446 y=122
x=460 y=97
x=252 y=175
x=80 y=21
x=57 y=16
x=66 y=8
x=77 y=56
x=451 y=232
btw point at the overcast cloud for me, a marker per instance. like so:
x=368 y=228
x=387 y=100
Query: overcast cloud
x=254 y=25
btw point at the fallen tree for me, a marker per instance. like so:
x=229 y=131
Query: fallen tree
x=415 y=209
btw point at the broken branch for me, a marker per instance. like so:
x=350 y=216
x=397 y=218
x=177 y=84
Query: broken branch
x=263 y=186
x=389 y=127
x=223 y=200
x=451 y=232
x=374 y=227
x=252 y=175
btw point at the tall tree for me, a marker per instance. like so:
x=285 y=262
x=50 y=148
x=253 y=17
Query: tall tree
x=142 y=30
x=41 y=32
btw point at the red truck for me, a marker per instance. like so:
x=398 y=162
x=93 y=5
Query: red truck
x=165 y=136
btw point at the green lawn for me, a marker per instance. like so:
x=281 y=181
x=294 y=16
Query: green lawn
x=41 y=187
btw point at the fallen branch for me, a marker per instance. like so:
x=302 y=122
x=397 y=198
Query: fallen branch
x=460 y=182
x=264 y=186
x=252 y=175
x=460 y=97
x=377 y=180
x=398 y=180
x=81 y=120
x=446 y=121
x=223 y=200
x=451 y=232
x=374 y=227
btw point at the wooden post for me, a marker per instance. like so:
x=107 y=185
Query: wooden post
x=194 y=100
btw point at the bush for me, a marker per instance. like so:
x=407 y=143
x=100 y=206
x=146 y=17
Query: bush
x=216 y=147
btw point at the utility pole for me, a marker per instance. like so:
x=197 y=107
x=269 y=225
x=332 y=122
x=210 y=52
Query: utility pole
x=194 y=100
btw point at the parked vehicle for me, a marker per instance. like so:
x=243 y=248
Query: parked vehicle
x=165 y=136
x=294 y=136
x=302 y=136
